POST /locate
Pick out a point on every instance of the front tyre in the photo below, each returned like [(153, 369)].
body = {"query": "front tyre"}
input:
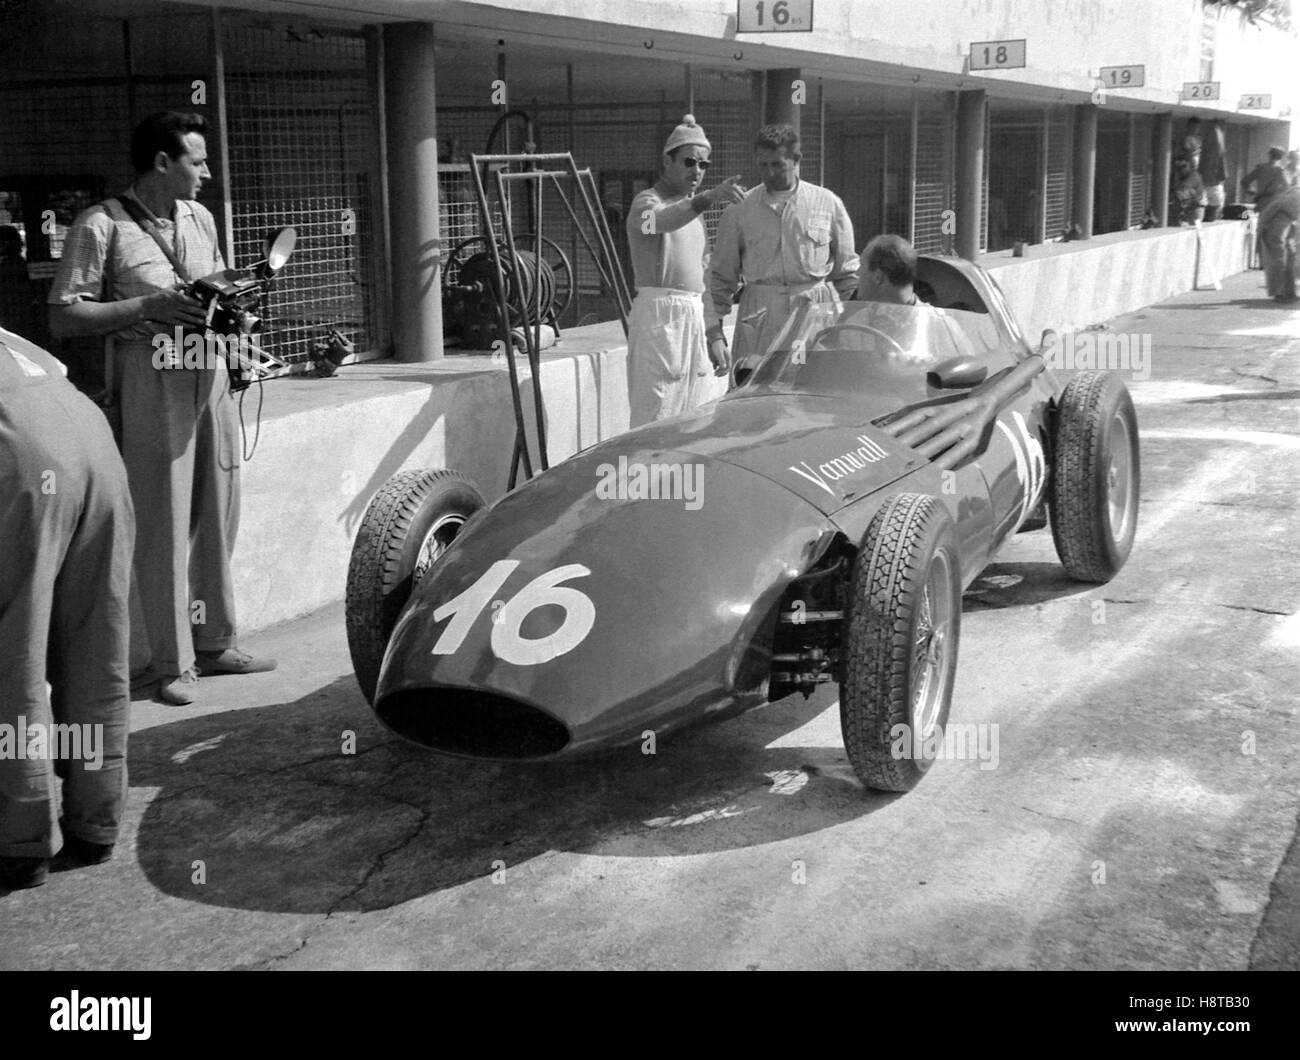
[(1095, 477), (408, 524), (900, 642)]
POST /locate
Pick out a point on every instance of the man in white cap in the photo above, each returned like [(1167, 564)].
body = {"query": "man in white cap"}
[(789, 241), (669, 369)]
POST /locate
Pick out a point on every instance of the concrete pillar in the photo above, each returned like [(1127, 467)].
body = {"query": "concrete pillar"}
[(972, 113), (778, 102), (1085, 166), (413, 190), (1161, 177)]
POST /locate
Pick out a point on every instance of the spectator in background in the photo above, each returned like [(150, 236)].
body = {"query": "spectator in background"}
[(1213, 170), (19, 300), (1190, 147), (788, 241), (1266, 179), (1260, 185), (1277, 239), (68, 528), (1189, 193)]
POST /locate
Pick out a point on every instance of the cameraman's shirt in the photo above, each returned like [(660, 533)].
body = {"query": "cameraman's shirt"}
[(139, 266)]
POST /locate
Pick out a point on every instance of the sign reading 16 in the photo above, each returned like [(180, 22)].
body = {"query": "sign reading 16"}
[(508, 641)]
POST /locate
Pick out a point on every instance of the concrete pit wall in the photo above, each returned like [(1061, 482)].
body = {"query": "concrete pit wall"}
[(327, 445)]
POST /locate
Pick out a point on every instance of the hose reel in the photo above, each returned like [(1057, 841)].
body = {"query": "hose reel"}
[(470, 296)]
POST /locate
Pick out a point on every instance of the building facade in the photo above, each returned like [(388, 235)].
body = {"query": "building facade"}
[(354, 122)]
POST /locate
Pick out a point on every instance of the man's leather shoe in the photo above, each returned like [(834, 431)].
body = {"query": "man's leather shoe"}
[(18, 874), (180, 690), (232, 661), (78, 853)]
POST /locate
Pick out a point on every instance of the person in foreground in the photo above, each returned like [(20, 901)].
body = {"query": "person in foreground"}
[(68, 529)]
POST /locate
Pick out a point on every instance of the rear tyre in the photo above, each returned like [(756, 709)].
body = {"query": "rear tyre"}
[(408, 524), (1095, 477), (900, 642)]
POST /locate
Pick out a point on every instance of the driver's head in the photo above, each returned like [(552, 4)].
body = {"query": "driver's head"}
[(888, 271)]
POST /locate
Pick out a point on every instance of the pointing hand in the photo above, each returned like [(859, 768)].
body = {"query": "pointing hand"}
[(729, 191)]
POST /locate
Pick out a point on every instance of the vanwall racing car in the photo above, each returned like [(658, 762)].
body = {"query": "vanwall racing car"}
[(819, 523)]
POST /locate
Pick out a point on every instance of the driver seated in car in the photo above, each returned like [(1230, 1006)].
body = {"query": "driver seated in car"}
[(888, 272), (888, 326)]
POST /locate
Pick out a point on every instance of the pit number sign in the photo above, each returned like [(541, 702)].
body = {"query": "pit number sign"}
[(1200, 90), (1123, 76), (997, 54), (774, 16), (1256, 102)]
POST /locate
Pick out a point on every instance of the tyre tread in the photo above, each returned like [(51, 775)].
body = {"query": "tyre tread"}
[(374, 569)]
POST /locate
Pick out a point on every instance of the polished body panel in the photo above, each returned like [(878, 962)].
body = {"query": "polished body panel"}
[(673, 599)]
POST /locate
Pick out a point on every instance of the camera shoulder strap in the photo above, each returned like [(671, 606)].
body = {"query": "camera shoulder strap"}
[(141, 217)]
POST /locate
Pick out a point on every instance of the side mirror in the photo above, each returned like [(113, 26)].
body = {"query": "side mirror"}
[(960, 373), (279, 245)]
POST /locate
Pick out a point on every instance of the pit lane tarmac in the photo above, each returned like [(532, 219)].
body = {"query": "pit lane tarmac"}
[(1139, 816)]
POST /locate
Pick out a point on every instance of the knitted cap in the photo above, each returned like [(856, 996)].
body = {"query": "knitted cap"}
[(687, 133)]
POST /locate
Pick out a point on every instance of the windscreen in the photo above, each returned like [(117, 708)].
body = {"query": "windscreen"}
[(855, 347)]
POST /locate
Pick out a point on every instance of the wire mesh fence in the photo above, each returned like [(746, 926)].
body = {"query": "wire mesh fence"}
[(303, 151)]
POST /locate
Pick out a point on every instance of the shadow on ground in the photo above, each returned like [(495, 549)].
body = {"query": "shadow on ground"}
[(1003, 585), (285, 818)]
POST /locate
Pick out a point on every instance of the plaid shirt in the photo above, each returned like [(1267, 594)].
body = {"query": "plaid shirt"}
[(138, 267)]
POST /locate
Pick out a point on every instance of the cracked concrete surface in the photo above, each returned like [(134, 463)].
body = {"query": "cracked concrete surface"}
[(1141, 813)]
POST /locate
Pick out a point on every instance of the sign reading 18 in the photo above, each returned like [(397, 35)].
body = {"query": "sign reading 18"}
[(997, 54)]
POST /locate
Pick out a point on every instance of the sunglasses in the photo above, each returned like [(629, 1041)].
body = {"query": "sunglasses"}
[(697, 163)]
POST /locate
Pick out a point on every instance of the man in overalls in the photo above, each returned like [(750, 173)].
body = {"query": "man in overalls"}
[(788, 241)]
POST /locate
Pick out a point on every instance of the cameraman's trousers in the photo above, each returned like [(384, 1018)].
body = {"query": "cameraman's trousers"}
[(180, 443), (65, 572)]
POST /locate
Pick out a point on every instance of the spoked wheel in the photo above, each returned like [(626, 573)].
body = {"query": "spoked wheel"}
[(900, 642), (407, 527), (1096, 476)]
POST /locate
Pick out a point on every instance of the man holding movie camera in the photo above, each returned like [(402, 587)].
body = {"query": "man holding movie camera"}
[(124, 265)]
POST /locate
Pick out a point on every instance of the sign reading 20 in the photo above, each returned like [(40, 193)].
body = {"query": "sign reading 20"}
[(508, 642)]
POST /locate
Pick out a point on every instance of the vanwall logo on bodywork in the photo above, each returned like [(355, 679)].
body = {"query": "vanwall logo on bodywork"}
[(841, 466)]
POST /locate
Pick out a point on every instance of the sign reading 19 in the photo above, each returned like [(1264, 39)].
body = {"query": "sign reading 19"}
[(1123, 76), (783, 16)]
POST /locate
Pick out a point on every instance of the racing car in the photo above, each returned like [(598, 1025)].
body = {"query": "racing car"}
[(817, 524)]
